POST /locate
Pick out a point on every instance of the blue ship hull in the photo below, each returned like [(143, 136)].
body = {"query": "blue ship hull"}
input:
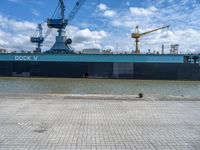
[(151, 67)]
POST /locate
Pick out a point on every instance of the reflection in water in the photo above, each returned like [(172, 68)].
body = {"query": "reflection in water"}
[(99, 86)]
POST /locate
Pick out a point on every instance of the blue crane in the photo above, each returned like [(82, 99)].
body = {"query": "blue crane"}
[(62, 44), (38, 38)]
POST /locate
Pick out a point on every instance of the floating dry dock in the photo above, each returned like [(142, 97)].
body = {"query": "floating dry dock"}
[(123, 66)]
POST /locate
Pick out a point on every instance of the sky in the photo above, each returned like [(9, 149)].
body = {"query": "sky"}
[(105, 24)]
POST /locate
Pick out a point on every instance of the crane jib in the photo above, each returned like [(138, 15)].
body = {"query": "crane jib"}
[(75, 10)]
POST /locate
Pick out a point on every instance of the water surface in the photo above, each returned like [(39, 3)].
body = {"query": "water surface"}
[(99, 86)]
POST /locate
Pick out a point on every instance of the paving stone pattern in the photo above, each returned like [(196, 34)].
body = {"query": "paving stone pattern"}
[(28, 123)]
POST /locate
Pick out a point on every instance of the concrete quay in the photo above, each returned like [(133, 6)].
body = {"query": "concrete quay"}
[(96, 122)]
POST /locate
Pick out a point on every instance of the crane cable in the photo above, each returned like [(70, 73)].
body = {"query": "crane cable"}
[(56, 11), (35, 33), (47, 33)]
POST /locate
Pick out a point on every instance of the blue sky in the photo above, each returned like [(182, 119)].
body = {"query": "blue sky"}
[(105, 24)]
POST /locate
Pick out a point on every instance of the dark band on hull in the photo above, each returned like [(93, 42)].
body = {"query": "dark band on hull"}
[(150, 71)]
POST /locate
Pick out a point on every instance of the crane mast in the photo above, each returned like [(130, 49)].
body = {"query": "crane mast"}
[(62, 7)]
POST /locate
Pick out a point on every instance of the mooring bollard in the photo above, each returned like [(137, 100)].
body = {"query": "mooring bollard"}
[(140, 95)]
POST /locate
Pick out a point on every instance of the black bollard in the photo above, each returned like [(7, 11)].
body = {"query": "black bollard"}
[(140, 95)]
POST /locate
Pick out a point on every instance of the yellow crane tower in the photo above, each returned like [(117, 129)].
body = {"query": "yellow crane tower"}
[(137, 35)]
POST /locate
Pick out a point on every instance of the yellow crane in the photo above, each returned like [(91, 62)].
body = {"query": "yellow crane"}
[(137, 35)]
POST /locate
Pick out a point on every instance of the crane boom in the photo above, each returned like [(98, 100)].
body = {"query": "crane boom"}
[(154, 30), (75, 10)]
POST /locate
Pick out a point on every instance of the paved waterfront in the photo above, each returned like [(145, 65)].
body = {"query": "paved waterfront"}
[(64, 122)]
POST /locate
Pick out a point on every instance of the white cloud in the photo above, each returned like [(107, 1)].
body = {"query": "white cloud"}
[(106, 11), (102, 7), (109, 47), (35, 12), (87, 39), (14, 1), (15, 25), (135, 11), (109, 13), (184, 30), (15, 35), (87, 35)]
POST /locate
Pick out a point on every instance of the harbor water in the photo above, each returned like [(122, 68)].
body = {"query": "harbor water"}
[(99, 86)]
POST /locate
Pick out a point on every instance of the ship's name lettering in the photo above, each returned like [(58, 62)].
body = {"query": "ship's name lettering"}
[(26, 58)]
